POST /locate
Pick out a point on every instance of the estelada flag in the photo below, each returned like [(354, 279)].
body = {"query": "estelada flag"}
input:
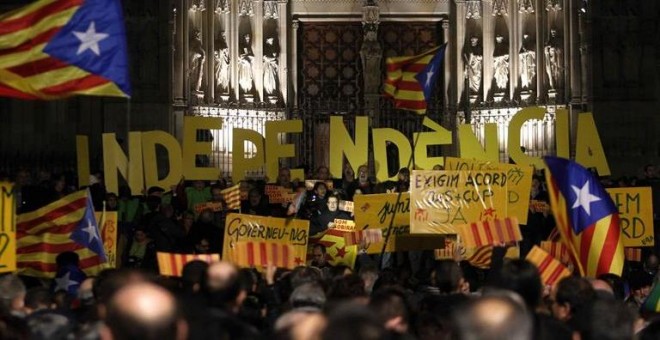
[(67, 224), (52, 49), (337, 251), (551, 270), (171, 264), (410, 80), (479, 234), (586, 217)]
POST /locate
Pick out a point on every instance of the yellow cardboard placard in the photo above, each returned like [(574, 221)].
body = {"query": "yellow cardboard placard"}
[(439, 200), (243, 228), (347, 206), (7, 228), (109, 229), (344, 225), (519, 179), (635, 207), (213, 206)]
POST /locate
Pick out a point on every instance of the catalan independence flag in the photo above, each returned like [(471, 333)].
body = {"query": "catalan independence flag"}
[(586, 218), (68, 224), (337, 251), (410, 80), (53, 49)]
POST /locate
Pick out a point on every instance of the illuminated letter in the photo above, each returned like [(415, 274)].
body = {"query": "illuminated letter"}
[(472, 149), (515, 125), (240, 163), (341, 144), (438, 136), (82, 156), (192, 148), (149, 141), (275, 150), (381, 137), (588, 149), (114, 159)]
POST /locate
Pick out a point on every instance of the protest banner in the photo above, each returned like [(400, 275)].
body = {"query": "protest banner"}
[(252, 228), (213, 206), (558, 250), (278, 194), (441, 200), (635, 207), (346, 206), (519, 180), (310, 183), (262, 254), (344, 225), (7, 228)]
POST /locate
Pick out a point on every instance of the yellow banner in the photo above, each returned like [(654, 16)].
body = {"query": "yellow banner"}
[(519, 180), (635, 207), (7, 228), (109, 229), (344, 225), (243, 228), (440, 200)]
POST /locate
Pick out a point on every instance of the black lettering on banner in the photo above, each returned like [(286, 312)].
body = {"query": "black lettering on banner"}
[(238, 229), (388, 209), (4, 243)]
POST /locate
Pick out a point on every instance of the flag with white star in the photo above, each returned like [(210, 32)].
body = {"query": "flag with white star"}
[(66, 225), (410, 80), (586, 217), (55, 49)]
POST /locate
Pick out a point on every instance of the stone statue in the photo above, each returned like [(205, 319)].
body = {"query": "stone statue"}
[(221, 56), (501, 63), (473, 57), (245, 58), (554, 60), (197, 59), (271, 52), (527, 57)]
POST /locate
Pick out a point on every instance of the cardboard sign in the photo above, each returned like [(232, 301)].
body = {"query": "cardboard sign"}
[(213, 206), (344, 225), (7, 228), (310, 183), (108, 228), (635, 207), (441, 200), (346, 206), (251, 228), (262, 254), (376, 212), (277, 194), (539, 206), (519, 180)]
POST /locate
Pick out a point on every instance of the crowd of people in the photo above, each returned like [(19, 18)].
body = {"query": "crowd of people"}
[(399, 295)]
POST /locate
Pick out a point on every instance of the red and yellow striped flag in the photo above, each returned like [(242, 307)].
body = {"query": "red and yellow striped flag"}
[(481, 258), (633, 254), (52, 49), (67, 224), (338, 252), (479, 234), (171, 264), (558, 250), (551, 270), (410, 80), (261, 254), (232, 197), (370, 236)]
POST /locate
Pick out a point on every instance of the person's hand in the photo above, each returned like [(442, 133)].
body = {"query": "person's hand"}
[(270, 274), (331, 225), (458, 253)]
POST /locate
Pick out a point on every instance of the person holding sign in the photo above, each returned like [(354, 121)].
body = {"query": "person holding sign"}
[(326, 219), (538, 225)]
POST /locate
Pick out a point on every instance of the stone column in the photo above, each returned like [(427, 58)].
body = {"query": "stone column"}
[(282, 8), (371, 54), (293, 80)]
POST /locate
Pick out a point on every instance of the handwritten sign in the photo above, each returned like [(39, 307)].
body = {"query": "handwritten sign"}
[(635, 207), (7, 228), (108, 226), (246, 228), (519, 182), (213, 206), (377, 211), (346, 206), (441, 200), (278, 194), (539, 206), (344, 225)]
